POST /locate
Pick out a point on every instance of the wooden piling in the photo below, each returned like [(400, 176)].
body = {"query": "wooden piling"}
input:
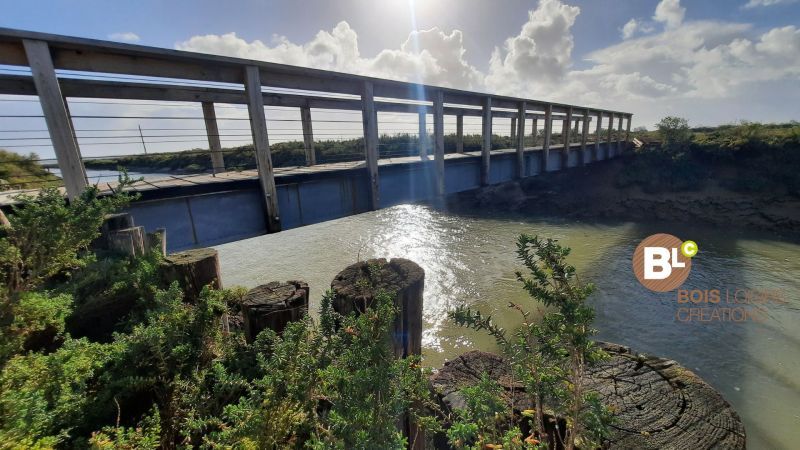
[(258, 127), (618, 151), (486, 148), (55, 115), (628, 133), (597, 132), (273, 305), (212, 132), (129, 241), (513, 132), (610, 134), (534, 131), (193, 270)]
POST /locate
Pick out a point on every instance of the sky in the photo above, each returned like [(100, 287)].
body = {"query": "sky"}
[(711, 61)]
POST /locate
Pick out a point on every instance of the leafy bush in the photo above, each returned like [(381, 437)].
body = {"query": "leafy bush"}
[(550, 357)]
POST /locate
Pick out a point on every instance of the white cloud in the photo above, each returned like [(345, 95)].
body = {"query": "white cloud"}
[(126, 36), (629, 28), (540, 53), (698, 69), (429, 56), (670, 12), (759, 3)]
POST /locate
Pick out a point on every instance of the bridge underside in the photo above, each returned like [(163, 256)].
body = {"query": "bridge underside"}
[(206, 210)]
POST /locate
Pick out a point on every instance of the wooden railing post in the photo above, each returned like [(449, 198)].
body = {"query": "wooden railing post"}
[(610, 136), (438, 140), (597, 131), (548, 131), (513, 132), (55, 114), (584, 136), (460, 133), (369, 117), (534, 130), (628, 132), (212, 132), (423, 135), (308, 136), (566, 130), (618, 151), (486, 148), (521, 139), (258, 126)]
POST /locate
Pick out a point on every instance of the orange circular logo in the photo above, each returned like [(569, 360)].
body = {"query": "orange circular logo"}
[(660, 264)]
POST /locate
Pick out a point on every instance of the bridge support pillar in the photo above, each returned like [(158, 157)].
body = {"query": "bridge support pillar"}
[(521, 139), (598, 130), (212, 132), (423, 134), (566, 131), (258, 127), (584, 136), (308, 136), (460, 133), (618, 151), (486, 148), (534, 130), (438, 141), (55, 113), (548, 131), (610, 136), (369, 117), (628, 133)]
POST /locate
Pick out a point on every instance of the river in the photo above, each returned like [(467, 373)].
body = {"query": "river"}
[(469, 259)]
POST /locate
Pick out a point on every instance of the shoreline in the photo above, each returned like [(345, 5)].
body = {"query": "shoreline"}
[(581, 193)]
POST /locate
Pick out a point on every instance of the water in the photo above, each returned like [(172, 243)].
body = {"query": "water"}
[(109, 175), (470, 260)]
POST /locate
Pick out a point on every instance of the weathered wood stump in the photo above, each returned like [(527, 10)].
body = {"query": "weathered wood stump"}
[(130, 241), (193, 270), (111, 223), (273, 305), (357, 285), (658, 403), (158, 240)]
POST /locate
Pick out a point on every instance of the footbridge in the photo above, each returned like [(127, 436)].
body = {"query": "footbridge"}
[(233, 203)]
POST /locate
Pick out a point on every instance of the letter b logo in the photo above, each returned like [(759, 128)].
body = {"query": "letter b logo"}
[(659, 265)]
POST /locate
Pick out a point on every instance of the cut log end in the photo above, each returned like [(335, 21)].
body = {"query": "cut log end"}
[(657, 402), (193, 270), (273, 306)]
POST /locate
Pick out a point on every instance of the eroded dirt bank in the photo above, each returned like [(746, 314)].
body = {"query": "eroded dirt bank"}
[(590, 193)]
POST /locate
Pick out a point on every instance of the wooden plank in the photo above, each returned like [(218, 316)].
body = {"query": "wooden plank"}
[(58, 122), (369, 117), (460, 133), (584, 136), (521, 140), (548, 131), (214, 144), (438, 141), (308, 136), (566, 132), (258, 126), (597, 132), (486, 148), (423, 134)]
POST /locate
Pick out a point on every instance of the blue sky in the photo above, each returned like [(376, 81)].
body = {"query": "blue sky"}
[(709, 61)]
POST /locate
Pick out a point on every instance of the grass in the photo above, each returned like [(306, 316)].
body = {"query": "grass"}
[(24, 172)]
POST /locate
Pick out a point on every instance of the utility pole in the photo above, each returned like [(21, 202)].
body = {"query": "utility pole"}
[(142, 137)]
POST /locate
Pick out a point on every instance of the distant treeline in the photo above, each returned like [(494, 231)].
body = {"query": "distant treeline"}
[(291, 153)]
